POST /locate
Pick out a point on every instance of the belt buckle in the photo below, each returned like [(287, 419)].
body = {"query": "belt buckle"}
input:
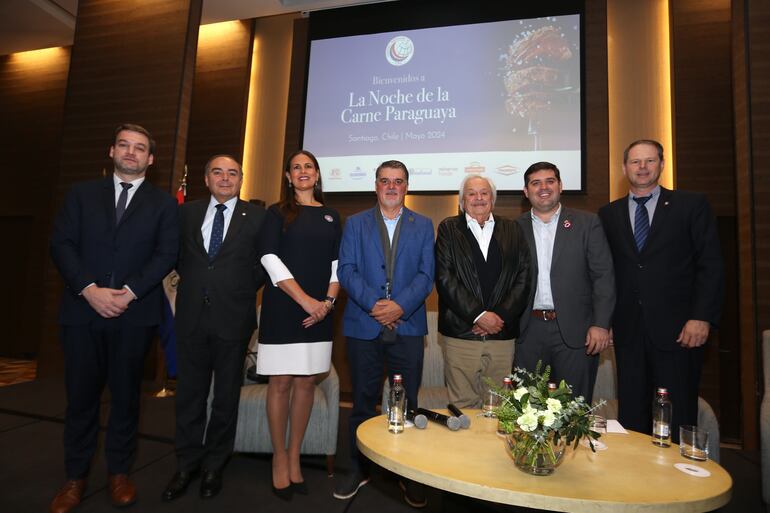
[(545, 315)]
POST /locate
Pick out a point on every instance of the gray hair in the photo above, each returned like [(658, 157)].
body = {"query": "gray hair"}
[(465, 181)]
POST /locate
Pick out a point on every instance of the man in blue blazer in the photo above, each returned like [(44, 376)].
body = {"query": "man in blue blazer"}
[(113, 242), (386, 266)]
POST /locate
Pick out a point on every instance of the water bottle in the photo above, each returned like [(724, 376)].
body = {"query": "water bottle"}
[(396, 406), (507, 387), (661, 418)]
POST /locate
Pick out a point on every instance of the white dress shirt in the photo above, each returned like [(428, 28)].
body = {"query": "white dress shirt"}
[(208, 219), (650, 206), (131, 191), (482, 235), (545, 234)]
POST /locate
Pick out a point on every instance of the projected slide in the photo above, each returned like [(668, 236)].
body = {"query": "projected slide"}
[(489, 98)]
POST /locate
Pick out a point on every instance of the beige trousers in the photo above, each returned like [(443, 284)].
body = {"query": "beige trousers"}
[(468, 362)]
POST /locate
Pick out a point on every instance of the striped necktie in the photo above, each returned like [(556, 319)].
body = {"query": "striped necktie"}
[(641, 222)]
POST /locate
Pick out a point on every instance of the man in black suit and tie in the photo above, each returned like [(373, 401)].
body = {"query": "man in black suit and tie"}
[(669, 278), (113, 242), (216, 314), (566, 323)]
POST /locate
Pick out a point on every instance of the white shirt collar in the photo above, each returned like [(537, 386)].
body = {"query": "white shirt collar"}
[(472, 220), (230, 204)]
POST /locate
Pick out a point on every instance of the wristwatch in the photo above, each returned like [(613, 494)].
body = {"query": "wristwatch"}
[(331, 300)]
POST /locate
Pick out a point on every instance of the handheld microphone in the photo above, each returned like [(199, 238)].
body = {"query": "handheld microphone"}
[(465, 421), (453, 423), (420, 421)]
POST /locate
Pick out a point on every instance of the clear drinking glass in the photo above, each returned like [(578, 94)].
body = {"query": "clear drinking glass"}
[(694, 443), (490, 402)]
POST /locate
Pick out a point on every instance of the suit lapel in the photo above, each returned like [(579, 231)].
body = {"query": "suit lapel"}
[(625, 223), (559, 239), (237, 220), (372, 231), (659, 218), (108, 200), (407, 232), (529, 234), (136, 202), (197, 223)]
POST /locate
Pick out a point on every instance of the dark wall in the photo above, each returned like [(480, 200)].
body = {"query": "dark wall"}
[(32, 87)]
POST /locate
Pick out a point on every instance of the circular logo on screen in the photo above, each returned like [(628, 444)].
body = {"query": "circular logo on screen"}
[(399, 50)]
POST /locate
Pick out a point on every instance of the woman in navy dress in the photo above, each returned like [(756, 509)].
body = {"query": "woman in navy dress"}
[(300, 243)]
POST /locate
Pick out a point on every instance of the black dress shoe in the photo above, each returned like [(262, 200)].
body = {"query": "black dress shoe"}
[(284, 494), (211, 484), (178, 485), (300, 488)]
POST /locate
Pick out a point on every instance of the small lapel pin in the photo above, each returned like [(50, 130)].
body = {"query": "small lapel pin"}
[(567, 223), (329, 219), (243, 213), (665, 202)]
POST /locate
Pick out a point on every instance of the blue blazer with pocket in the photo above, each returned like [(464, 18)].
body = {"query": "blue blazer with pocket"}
[(361, 271)]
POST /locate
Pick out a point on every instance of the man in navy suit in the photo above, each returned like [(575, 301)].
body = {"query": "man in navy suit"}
[(669, 281), (113, 242), (386, 266), (216, 314)]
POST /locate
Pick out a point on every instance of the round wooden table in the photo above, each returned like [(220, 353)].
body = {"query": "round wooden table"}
[(631, 475)]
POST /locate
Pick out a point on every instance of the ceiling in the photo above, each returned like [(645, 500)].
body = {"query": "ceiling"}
[(34, 24)]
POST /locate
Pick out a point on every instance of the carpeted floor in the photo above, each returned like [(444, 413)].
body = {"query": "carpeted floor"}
[(31, 468)]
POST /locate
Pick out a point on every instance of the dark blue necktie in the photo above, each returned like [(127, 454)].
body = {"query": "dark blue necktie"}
[(217, 231), (120, 208), (641, 222)]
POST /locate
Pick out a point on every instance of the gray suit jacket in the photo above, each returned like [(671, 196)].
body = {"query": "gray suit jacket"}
[(582, 275)]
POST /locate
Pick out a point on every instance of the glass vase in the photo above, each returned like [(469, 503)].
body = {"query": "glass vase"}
[(535, 454)]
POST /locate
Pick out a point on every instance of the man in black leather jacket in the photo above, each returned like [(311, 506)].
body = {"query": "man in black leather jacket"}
[(483, 282)]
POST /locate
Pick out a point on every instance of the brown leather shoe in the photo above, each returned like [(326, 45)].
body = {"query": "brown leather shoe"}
[(68, 496), (122, 491)]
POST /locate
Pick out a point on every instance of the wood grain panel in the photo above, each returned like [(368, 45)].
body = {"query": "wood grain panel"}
[(220, 95), (703, 135), (32, 87), (132, 61)]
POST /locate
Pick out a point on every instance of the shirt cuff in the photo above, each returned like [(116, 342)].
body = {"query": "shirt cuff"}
[(131, 291), (275, 269), (92, 284), (479, 317), (333, 278)]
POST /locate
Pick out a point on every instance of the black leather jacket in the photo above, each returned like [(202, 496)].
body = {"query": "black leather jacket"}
[(457, 281)]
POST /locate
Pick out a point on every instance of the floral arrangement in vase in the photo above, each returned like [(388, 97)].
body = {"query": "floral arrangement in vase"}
[(542, 419)]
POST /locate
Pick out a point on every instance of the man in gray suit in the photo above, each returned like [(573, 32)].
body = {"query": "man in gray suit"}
[(567, 320)]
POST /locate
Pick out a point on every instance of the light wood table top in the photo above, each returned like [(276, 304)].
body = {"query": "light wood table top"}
[(631, 475)]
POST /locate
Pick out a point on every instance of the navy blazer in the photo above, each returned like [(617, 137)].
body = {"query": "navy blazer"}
[(229, 283), (88, 247), (676, 277), (361, 271)]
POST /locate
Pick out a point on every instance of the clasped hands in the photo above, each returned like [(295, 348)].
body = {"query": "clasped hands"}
[(488, 324), (387, 312), (316, 310), (107, 302)]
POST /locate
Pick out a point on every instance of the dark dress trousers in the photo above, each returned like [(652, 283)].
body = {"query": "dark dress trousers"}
[(583, 290), (676, 277), (88, 247), (215, 317)]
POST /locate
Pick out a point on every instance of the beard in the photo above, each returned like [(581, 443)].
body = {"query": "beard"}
[(130, 169)]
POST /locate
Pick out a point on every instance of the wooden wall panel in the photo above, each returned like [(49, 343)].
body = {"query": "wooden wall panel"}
[(32, 86), (132, 61), (705, 161), (220, 95)]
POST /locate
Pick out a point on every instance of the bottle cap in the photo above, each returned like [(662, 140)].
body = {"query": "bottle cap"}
[(662, 391), (396, 378), (551, 386)]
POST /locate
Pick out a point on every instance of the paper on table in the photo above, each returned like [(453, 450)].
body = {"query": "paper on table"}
[(613, 426)]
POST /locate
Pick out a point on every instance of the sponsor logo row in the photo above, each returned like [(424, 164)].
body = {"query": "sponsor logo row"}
[(472, 167)]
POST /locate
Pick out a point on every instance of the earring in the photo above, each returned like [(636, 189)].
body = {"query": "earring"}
[(288, 182), (316, 185)]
